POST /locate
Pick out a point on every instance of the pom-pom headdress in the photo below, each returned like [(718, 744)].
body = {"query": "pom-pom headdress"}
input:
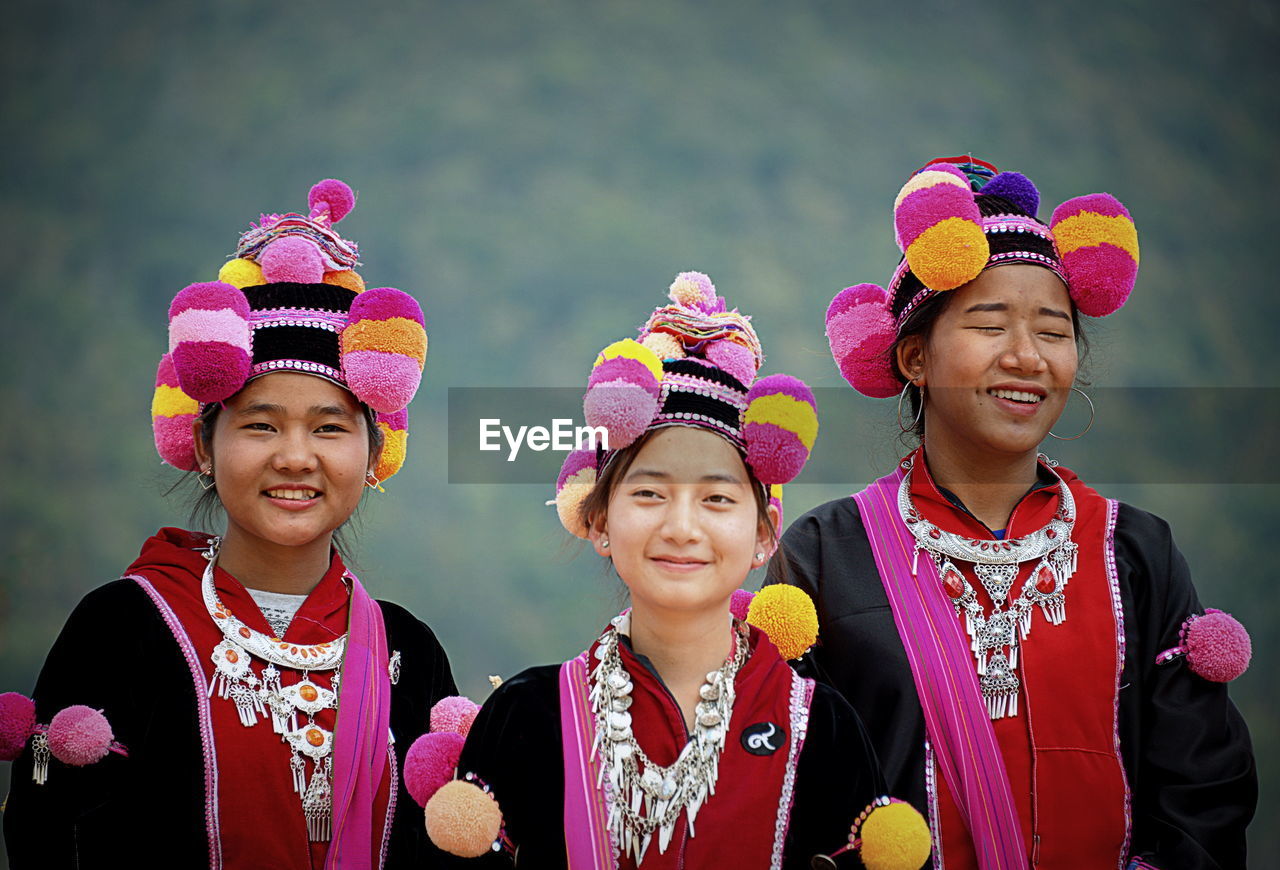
[(290, 300), (954, 218), (694, 364)]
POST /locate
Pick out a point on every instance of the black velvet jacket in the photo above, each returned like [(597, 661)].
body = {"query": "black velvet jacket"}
[(148, 810), (515, 747), (1185, 747)]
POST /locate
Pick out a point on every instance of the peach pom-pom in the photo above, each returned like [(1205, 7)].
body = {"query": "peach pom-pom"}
[(740, 603), (79, 735), (345, 278), (693, 290), (894, 837), (292, 258), (454, 713), (463, 819), (430, 763), (787, 615), (664, 345), (17, 722), (241, 273), (1218, 646)]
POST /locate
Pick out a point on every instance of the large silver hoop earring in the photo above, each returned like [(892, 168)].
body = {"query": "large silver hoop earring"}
[(1092, 415), (919, 411)]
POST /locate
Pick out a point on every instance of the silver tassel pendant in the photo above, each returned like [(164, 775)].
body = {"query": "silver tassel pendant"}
[(40, 751), (317, 805), (299, 768)]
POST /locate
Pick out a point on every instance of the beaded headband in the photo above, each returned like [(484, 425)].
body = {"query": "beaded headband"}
[(290, 300), (948, 236), (695, 364)]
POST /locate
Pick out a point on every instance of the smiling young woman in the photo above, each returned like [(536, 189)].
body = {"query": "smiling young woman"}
[(680, 713), (1031, 720), (234, 698)]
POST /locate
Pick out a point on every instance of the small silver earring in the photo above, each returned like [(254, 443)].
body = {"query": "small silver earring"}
[(208, 473), (369, 476), (604, 543), (759, 557)]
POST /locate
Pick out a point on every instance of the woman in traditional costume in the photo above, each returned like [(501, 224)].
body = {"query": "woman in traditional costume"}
[(240, 700), (1031, 660), (680, 737)]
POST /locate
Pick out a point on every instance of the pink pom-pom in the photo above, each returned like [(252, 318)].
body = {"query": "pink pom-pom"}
[(740, 603), (292, 258), (1098, 243), (623, 408), (1218, 646), (733, 358), (79, 735), (695, 290), (780, 427), (17, 723), (384, 303), (430, 763), (454, 713), (209, 340), (861, 330), (621, 369), (332, 196)]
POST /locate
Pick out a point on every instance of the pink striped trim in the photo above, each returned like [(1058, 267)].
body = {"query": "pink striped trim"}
[(197, 324), (1117, 609), (588, 841), (947, 685), (211, 824), (801, 702)]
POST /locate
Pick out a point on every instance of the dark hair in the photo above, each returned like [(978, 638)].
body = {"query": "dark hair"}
[(206, 506), (596, 504), (920, 321)]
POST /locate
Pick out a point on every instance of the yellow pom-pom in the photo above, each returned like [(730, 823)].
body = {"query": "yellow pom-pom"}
[(241, 273), (570, 498), (950, 253), (395, 444), (463, 819), (664, 345), (894, 837), (346, 278), (787, 615)]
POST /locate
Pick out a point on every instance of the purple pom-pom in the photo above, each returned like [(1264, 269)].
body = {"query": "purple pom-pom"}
[(740, 603), (454, 713), (431, 762), (79, 735), (623, 408), (1017, 188), (292, 258), (17, 723), (861, 330), (1218, 646), (332, 196), (733, 358)]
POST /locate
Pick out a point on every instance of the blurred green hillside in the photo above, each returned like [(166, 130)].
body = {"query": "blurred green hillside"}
[(535, 173)]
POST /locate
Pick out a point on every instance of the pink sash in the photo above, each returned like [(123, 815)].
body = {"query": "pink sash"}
[(361, 734), (957, 722), (586, 830)]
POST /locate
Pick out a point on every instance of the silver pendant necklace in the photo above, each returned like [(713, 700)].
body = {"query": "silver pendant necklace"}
[(645, 797), (262, 696), (994, 637)]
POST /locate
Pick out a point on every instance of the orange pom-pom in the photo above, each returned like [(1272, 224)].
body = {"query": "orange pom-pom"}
[(463, 819), (787, 615), (345, 278)]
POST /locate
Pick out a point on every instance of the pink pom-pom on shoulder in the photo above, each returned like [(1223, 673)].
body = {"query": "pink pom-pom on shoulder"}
[(332, 197), (430, 762), (740, 603), (209, 340), (861, 331), (1098, 244), (17, 724), (79, 735), (780, 427), (454, 713), (1217, 646), (292, 258)]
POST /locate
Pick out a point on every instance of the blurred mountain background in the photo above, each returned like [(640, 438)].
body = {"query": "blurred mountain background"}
[(536, 173)]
